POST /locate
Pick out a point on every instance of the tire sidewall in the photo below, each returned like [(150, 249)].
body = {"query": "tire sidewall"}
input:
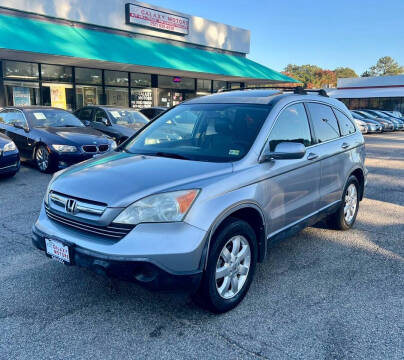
[(232, 228)]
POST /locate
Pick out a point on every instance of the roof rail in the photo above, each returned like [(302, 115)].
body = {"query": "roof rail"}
[(296, 89)]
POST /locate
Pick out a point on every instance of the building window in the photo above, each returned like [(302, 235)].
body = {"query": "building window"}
[(20, 70), (141, 98), (56, 73), (235, 85), (116, 78), (117, 96), (203, 86), (88, 76), (176, 82), (219, 85), (140, 80), (19, 93), (88, 95), (58, 95)]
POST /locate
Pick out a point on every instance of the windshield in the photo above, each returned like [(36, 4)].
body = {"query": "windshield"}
[(203, 132), (127, 117), (52, 118), (357, 116)]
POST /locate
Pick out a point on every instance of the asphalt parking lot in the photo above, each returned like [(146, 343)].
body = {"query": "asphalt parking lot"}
[(322, 294)]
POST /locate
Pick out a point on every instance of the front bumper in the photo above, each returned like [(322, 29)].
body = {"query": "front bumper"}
[(64, 160), (9, 162), (160, 256)]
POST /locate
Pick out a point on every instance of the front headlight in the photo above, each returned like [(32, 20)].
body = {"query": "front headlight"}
[(64, 148), (9, 147), (113, 145), (164, 207)]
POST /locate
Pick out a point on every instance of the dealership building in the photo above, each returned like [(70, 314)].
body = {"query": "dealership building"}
[(69, 53), (380, 92)]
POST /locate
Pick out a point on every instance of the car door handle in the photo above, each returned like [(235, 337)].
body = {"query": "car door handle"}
[(312, 156), (345, 145)]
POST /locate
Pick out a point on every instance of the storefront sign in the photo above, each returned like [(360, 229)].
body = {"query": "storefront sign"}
[(141, 98), (58, 96), (139, 15), (21, 96)]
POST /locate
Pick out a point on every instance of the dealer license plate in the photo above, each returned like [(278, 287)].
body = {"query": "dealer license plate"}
[(57, 250)]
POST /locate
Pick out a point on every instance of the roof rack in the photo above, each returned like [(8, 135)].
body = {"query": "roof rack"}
[(296, 89)]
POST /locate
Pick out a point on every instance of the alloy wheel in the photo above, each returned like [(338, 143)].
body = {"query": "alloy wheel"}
[(233, 266), (351, 202), (42, 158)]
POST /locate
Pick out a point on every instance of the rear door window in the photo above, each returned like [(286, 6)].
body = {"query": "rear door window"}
[(324, 122), (292, 125), (345, 124)]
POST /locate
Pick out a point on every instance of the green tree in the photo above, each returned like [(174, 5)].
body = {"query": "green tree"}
[(345, 72), (303, 73), (386, 66)]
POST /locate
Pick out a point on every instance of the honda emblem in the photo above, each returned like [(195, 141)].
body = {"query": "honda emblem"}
[(70, 206)]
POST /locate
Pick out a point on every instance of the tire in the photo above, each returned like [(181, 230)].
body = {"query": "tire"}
[(344, 218), (223, 293), (43, 159)]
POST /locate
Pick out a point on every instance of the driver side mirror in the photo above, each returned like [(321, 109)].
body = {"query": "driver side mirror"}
[(286, 150), (18, 124), (104, 121)]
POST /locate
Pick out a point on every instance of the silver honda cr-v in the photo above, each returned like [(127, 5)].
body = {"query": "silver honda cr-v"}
[(198, 196)]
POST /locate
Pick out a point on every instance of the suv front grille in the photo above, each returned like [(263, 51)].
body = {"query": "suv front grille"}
[(93, 149), (113, 231)]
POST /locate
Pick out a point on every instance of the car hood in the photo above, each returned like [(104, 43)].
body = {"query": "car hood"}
[(119, 178), (126, 130), (73, 135)]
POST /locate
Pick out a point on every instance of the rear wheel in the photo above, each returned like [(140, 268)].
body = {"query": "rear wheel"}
[(345, 216), (42, 159), (231, 266)]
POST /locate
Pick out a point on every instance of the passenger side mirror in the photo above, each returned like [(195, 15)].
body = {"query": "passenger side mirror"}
[(86, 122), (18, 124), (285, 151)]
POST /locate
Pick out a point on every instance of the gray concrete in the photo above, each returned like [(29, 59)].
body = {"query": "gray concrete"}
[(322, 294)]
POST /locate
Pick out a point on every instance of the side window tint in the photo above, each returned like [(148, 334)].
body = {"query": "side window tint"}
[(345, 124), (292, 125), (3, 117), (324, 122), (85, 114), (16, 116), (99, 115)]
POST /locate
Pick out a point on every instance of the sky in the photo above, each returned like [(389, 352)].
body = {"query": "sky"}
[(327, 33)]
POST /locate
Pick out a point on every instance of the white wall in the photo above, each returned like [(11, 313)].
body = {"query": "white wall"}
[(371, 81), (111, 13)]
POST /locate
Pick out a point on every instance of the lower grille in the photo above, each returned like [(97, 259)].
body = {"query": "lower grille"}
[(114, 231)]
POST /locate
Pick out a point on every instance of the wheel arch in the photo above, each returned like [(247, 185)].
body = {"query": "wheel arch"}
[(249, 212), (360, 176)]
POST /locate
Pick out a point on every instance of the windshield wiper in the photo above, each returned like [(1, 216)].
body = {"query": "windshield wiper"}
[(169, 155)]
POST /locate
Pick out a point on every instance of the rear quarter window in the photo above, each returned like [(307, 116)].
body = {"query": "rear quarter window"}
[(345, 123), (324, 122)]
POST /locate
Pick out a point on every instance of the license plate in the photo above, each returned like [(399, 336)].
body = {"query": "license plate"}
[(57, 250)]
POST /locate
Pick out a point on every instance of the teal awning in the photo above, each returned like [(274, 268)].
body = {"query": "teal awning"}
[(44, 37)]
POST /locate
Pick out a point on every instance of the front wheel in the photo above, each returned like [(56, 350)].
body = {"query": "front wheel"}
[(230, 268), (345, 216), (43, 159)]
